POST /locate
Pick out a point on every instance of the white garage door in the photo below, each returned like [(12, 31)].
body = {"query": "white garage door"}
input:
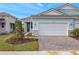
[(55, 29)]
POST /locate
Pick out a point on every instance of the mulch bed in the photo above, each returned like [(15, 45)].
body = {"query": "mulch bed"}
[(20, 40), (77, 38)]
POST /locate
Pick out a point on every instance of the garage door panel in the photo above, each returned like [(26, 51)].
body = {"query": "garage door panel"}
[(53, 29)]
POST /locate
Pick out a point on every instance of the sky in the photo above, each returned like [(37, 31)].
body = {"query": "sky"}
[(22, 10)]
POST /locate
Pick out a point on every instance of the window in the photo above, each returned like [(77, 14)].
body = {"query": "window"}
[(28, 26), (2, 19), (11, 25), (3, 25)]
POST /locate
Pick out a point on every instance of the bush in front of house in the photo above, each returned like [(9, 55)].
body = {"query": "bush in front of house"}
[(75, 33), (19, 29), (13, 40), (18, 37)]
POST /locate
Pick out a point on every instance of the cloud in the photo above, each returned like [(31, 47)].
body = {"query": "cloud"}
[(32, 6), (25, 9), (39, 4), (21, 9)]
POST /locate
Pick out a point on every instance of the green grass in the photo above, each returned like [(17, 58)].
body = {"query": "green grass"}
[(30, 46)]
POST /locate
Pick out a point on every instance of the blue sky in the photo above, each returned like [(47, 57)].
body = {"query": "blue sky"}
[(22, 10)]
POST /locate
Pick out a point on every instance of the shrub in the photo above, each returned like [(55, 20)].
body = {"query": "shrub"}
[(75, 33), (19, 29)]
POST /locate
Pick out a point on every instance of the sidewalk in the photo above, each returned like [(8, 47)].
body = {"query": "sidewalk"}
[(39, 53)]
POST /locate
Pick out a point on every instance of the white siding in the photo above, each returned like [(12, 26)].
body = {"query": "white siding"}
[(36, 23), (67, 7), (8, 20), (2, 30), (24, 26), (76, 23)]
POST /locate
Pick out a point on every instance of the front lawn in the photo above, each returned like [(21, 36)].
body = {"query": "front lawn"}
[(30, 46)]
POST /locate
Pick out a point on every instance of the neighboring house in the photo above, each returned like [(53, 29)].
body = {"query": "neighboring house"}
[(54, 22), (6, 23)]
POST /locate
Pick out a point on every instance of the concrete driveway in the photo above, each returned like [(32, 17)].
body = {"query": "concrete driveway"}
[(61, 43)]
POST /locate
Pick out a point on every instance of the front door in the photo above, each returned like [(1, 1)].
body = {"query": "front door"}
[(28, 26)]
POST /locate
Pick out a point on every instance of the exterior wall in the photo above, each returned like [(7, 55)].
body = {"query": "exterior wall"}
[(72, 22), (2, 30), (37, 21), (7, 22), (25, 24), (24, 27), (67, 7), (77, 23), (70, 12)]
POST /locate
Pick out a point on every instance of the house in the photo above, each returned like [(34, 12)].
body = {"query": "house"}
[(54, 22), (6, 23)]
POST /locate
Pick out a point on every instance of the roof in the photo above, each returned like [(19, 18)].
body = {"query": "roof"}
[(64, 10), (51, 12), (68, 9), (26, 18), (7, 14)]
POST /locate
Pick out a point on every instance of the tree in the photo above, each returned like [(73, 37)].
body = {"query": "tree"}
[(19, 29)]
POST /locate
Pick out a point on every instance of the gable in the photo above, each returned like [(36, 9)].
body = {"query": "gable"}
[(64, 10), (67, 6), (52, 12), (68, 9)]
